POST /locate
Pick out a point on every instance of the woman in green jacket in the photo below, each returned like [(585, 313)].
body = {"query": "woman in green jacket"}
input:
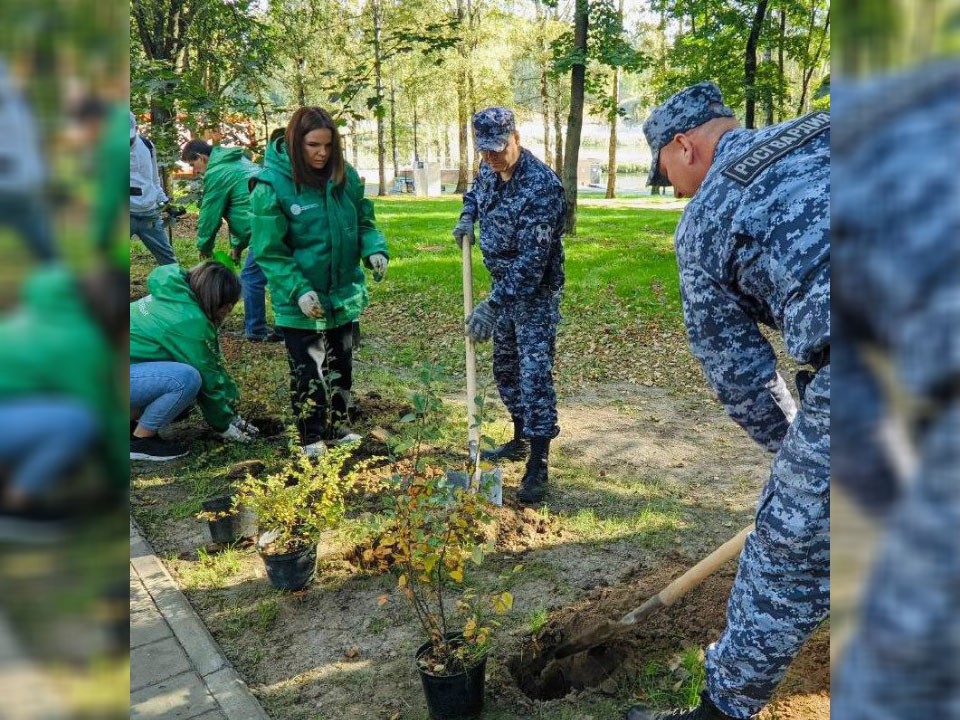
[(311, 229), (175, 357)]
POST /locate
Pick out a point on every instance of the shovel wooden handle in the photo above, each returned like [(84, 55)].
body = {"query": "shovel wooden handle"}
[(473, 433), (691, 578)]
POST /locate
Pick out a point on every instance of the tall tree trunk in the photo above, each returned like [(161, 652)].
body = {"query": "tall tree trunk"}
[(355, 145), (545, 113), (301, 82), (446, 146), (393, 128), (578, 74), (462, 117), (544, 89), (472, 98), (614, 117), (768, 89), (557, 124), (471, 89), (750, 66), (378, 80), (781, 73), (557, 130), (416, 143), (811, 63)]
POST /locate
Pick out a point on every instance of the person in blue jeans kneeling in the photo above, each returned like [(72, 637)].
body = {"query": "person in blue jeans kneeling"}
[(175, 357)]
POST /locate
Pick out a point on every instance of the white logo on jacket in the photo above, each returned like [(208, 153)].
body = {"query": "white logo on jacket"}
[(296, 209)]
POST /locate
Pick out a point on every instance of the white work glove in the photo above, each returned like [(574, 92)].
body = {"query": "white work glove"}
[(246, 426), (378, 263), (464, 230), (310, 305), (236, 433)]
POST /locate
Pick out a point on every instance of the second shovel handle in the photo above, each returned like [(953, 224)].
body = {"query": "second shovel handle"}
[(705, 568), (473, 433)]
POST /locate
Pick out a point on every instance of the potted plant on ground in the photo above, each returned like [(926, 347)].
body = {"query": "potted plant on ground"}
[(226, 522), (294, 507), (437, 531)]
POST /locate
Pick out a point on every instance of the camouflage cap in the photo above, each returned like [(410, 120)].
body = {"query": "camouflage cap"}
[(492, 128), (682, 111)]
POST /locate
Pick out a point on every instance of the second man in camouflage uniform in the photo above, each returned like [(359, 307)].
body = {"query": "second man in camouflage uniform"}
[(520, 205), (753, 247)]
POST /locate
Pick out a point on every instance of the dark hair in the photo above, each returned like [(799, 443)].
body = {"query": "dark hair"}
[(194, 149), (215, 286), (277, 133), (106, 293), (305, 120)]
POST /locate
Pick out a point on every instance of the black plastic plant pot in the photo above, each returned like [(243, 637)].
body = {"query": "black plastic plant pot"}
[(291, 571), (453, 697), (232, 527)]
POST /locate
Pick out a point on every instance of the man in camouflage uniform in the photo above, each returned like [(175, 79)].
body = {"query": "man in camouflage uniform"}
[(897, 256), (753, 247), (520, 205)]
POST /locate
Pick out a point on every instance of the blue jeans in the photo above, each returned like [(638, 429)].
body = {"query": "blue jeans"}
[(161, 391), (42, 438), (254, 284), (149, 228), (30, 217)]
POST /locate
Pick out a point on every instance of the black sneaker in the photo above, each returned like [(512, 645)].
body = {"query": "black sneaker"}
[(271, 337), (155, 449)]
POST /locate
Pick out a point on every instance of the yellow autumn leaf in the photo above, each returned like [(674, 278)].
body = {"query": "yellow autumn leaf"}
[(457, 575), (470, 628), (402, 581), (502, 603)]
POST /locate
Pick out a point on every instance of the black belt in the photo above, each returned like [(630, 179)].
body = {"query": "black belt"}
[(136, 191)]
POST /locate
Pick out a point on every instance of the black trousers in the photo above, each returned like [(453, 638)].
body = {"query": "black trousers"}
[(321, 376)]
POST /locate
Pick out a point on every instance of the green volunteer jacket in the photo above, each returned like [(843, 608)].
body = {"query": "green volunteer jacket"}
[(112, 192), (314, 239), (51, 345), (226, 194), (168, 324)]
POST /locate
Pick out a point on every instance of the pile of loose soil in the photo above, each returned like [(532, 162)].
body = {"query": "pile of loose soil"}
[(694, 620)]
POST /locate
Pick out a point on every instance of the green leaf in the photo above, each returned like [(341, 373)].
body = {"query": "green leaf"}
[(224, 259)]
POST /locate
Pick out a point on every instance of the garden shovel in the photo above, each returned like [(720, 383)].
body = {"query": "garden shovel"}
[(490, 481), (597, 635)]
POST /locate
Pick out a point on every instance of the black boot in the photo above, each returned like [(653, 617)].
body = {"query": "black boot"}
[(533, 486), (515, 449), (706, 710)]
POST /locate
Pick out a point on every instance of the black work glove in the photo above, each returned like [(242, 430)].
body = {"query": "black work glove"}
[(481, 321), (464, 230)]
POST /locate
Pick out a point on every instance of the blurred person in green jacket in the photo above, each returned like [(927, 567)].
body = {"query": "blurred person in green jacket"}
[(101, 124), (226, 176), (312, 228), (62, 352), (175, 357)]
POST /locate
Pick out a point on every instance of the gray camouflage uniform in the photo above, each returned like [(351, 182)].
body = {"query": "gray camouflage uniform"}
[(753, 247), (898, 292), (521, 238)]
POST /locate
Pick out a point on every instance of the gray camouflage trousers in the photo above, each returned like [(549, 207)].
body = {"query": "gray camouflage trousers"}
[(524, 341), (782, 589), (904, 660)]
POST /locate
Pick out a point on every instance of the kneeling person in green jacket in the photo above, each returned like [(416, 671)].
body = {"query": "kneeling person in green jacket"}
[(311, 229), (175, 357)]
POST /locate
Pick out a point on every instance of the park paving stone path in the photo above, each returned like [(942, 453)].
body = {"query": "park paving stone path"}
[(177, 670)]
